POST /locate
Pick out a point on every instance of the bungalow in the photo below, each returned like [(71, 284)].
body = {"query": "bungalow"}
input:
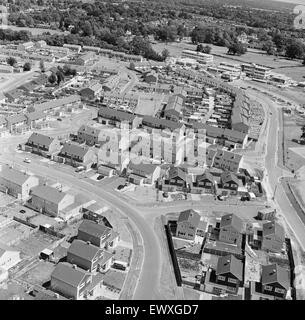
[(42, 144), (226, 278), (143, 173), (204, 183), (115, 118), (50, 200), (17, 183), (273, 237), (70, 281), (229, 180), (187, 224), (231, 228), (274, 284), (99, 235), (176, 180), (89, 257), (76, 155)]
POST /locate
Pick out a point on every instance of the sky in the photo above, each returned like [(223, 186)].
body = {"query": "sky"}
[(293, 1)]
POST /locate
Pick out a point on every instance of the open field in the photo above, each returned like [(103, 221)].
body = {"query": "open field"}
[(34, 31)]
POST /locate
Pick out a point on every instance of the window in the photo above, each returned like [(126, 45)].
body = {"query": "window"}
[(268, 288), (221, 278), (231, 280), (279, 290)]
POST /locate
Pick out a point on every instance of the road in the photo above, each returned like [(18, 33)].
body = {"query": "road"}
[(273, 172), (147, 287)]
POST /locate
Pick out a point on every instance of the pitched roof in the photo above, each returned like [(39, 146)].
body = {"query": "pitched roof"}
[(116, 114), (176, 172), (16, 118), (57, 103), (14, 175), (94, 229), (40, 139), (89, 130), (230, 264), (35, 115), (74, 149), (66, 273), (273, 228), (191, 216), (273, 273), (146, 168), (229, 176), (205, 176), (48, 193), (83, 250), (232, 220), (161, 123)]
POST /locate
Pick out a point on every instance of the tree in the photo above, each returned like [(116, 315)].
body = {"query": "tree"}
[(295, 50), (52, 78), (269, 47), (60, 76), (237, 48), (42, 66), (165, 54), (27, 66), (205, 49), (11, 61)]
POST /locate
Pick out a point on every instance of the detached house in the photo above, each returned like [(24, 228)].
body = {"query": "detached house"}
[(204, 183), (187, 224), (17, 183), (273, 237), (231, 228), (226, 278), (176, 180), (42, 144), (143, 173), (99, 235), (274, 284), (70, 281), (89, 257), (229, 181)]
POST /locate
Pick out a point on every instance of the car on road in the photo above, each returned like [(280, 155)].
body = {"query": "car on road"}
[(27, 160), (22, 211), (121, 186), (80, 169), (100, 177), (222, 197), (59, 119)]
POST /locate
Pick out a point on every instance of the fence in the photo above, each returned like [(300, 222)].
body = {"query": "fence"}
[(292, 268), (173, 255)]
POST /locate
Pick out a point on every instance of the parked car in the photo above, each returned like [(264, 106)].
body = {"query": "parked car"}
[(100, 177), (59, 119), (165, 194), (80, 169), (22, 211), (120, 187), (27, 160)]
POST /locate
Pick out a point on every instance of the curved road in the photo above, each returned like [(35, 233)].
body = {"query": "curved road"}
[(147, 287)]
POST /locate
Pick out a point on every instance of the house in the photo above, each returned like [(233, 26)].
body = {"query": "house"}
[(58, 104), (267, 214), (70, 281), (41, 44), (231, 228), (9, 257), (73, 47), (273, 237), (6, 69), (226, 278), (176, 180), (17, 183), (187, 224), (229, 180), (150, 122), (112, 117), (89, 135), (42, 144), (85, 58), (99, 235), (35, 119), (50, 200), (25, 46), (274, 284), (143, 173), (76, 155), (204, 183), (227, 160), (92, 91), (17, 123), (89, 257), (106, 170), (13, 95)]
